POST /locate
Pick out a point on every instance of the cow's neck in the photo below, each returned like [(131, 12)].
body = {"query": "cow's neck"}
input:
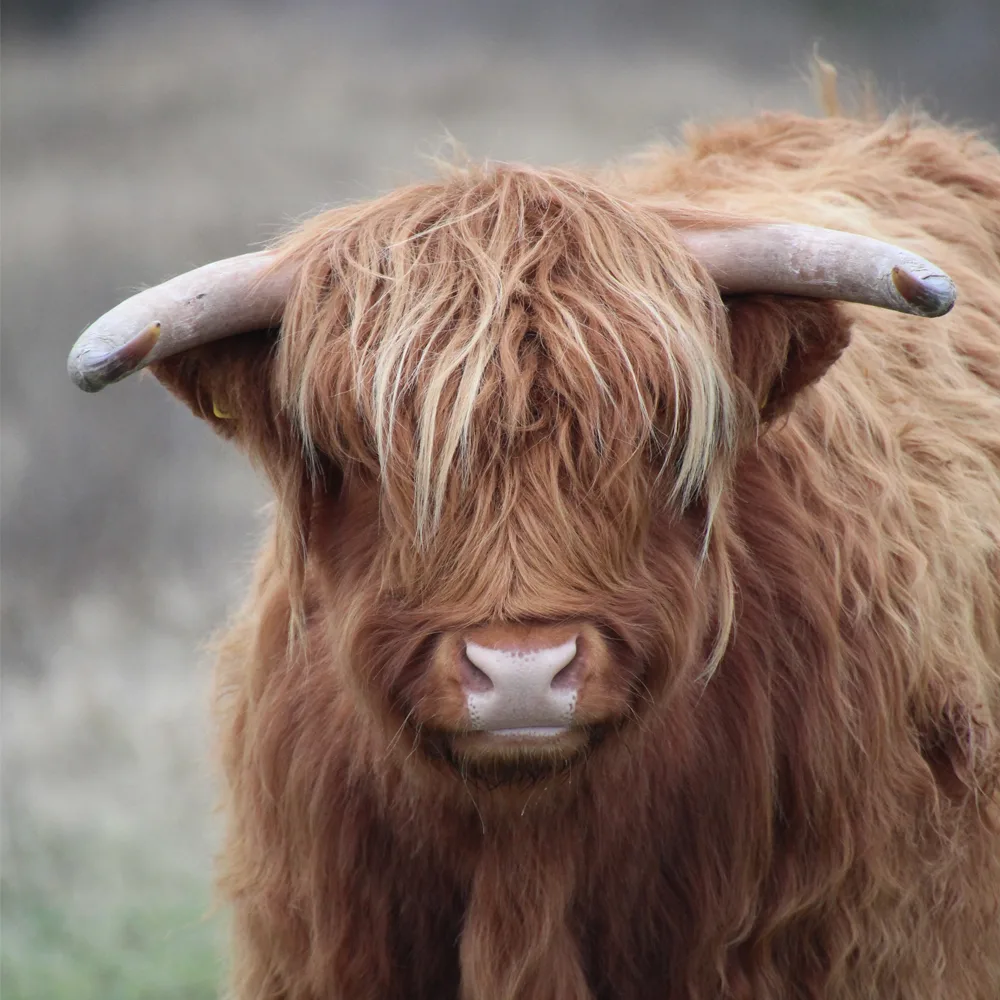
[(518, 940)]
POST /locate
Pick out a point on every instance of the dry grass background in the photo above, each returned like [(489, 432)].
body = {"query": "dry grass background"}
[(142, 145)]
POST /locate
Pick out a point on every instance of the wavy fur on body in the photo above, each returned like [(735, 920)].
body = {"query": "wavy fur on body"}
[(510, 394)]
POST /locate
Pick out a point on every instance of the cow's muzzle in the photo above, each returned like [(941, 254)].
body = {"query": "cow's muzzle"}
[(525, 686)]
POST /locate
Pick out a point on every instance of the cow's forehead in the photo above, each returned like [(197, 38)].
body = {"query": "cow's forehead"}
[(440, 326)]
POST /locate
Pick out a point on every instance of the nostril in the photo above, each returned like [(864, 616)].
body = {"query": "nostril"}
[(569, 676), (472, 678)]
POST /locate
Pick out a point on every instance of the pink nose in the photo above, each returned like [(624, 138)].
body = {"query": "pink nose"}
[(528, 688)]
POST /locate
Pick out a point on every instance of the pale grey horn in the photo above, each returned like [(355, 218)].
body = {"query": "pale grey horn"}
[(821, 264), (228, 297)]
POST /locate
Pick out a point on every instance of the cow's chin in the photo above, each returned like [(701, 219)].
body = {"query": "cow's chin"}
[(516, 756)]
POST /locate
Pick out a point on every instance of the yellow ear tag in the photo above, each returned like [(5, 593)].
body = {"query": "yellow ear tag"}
[(219, 412)]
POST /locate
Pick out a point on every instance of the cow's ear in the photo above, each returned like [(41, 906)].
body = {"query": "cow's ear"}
[(781, 345), (229, 384)]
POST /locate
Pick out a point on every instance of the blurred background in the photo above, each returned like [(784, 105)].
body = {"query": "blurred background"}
[(146, 138)]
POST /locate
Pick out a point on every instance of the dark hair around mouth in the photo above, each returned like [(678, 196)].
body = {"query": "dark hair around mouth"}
[(519, 767)]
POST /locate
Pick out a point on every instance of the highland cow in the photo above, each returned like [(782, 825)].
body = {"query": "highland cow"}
[(629, 625)]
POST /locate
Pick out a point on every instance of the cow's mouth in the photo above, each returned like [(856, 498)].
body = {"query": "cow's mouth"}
[(516, 756), (528, 732)]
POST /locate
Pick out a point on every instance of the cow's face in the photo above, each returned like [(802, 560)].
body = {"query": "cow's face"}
[(537, 618), (500, 417), (524, 412)]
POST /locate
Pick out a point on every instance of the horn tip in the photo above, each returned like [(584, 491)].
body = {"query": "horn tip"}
[(928, 295), (92, 370)]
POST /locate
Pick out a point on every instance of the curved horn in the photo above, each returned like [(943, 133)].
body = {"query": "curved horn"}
[(821, 264), (218, 300)]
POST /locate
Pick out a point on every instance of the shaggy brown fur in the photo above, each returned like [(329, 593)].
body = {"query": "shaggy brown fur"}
[(511, 395)]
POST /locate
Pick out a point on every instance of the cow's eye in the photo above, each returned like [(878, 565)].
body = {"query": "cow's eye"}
[(329, 477)]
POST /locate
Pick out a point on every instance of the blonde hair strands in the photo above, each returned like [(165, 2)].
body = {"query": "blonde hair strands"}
[(434, 287)]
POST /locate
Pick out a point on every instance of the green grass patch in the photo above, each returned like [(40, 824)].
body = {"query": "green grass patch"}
[(156, 947)]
